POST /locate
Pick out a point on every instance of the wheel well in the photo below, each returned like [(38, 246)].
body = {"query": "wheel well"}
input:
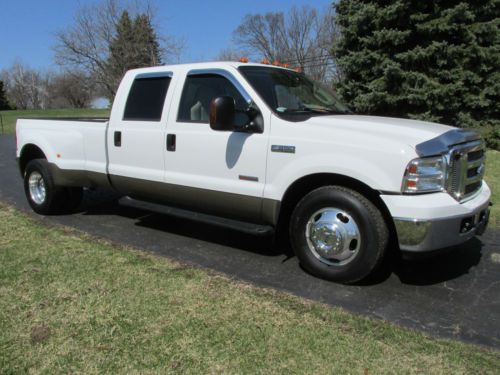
[(307, 184), (28, 153)]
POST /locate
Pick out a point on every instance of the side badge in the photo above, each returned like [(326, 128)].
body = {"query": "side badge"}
[(283, 148)]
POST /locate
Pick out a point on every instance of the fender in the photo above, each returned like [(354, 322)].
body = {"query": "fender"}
[(69, 155), (367, 172)]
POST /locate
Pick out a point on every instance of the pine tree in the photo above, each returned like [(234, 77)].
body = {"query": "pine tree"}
[(134, 46), (121, 50), (4, 103), (432, 60), (146, 40)]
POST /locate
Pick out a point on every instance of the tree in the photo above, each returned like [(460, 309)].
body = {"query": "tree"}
[(301, 38), (70, 90), (135, 45), (4, 103), (121, 50), (148, 51), (229, 54), (431, 60), (26, 88), (86, 46)]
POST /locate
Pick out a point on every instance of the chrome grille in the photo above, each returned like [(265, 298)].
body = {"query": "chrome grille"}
[(466, 170)]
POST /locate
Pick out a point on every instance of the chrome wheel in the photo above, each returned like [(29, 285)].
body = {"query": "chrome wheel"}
[(333, 236), (37, 187)]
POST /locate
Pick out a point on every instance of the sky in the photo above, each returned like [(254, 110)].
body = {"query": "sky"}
[(27, 27)]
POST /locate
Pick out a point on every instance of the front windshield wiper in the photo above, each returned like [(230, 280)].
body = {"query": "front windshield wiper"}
[(306, 109)]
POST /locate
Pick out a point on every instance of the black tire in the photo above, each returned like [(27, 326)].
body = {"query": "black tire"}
[(363, 257), (55, 198)]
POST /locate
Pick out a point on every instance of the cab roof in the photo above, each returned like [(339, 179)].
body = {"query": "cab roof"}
[(202, 65)]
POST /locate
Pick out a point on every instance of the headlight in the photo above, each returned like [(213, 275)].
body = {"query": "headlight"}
[(425, 175)]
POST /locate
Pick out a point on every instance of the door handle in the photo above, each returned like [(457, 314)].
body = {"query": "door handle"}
[(118, 139), (170, 142)]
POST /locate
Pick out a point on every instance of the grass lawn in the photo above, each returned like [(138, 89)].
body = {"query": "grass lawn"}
[(9, 117), (493, 180), (70, 303)]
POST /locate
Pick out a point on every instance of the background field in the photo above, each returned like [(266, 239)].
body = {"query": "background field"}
[(9, 117), (70, 303)]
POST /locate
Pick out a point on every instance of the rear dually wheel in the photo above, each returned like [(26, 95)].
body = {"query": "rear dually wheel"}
[(44, 196)]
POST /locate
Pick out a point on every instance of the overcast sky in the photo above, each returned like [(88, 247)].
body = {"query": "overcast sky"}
[(27, 27)]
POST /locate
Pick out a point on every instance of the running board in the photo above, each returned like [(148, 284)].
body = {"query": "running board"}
[(241, 226)]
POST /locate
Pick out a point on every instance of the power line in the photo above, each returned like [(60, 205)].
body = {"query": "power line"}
[(307, 59), (319, 65), (314, 57)]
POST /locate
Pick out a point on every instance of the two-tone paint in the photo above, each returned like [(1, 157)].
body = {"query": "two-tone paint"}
[(247, 175)]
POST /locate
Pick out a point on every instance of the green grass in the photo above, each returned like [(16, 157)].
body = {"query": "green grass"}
[(71, 303), (9, 117), (493, 180)]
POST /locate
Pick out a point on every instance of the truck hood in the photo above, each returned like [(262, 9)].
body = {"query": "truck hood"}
[(379, 129)]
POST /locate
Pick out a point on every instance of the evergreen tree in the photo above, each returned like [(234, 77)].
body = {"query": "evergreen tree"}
[(146, 40), (135, 45), (121, 50), (432, 60), (4, 103)]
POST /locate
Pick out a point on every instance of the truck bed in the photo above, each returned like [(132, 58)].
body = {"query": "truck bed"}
[(80, 119), (70, 143)]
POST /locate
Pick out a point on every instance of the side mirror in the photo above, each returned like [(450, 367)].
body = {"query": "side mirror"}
[(222, 111)]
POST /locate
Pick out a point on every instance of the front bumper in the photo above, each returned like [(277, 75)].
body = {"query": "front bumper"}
[(436, 221)]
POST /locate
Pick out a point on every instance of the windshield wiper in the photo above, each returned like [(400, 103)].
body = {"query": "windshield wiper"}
[(305, 109)]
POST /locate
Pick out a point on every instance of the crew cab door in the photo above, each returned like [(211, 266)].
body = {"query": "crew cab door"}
[(220, 172), (136, 135)]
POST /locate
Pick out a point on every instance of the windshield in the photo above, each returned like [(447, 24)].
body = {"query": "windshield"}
[(289, 92)]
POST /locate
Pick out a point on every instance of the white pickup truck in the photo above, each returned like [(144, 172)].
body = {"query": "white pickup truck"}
[(266, 145)]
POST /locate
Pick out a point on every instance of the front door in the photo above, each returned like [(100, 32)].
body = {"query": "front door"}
[(220, 172)]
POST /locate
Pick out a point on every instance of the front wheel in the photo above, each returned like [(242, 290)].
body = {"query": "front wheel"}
[(338, 234)]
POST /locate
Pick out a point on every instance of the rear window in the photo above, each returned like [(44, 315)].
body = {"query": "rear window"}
[(145, 99)]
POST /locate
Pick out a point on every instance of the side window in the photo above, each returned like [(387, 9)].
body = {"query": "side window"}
[(198, 92), (145, 99)]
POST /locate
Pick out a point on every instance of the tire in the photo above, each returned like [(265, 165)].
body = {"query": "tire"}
[(338, 234), (44, 196)]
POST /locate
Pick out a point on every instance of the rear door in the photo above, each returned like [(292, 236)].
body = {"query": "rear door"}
[(136, 138)]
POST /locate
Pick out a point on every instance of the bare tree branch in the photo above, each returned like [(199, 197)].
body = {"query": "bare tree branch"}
[(228, 55), (26, 88), (85, 46), (302, 38)]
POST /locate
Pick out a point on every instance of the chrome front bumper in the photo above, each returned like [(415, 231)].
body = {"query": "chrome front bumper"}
[(429, 235)]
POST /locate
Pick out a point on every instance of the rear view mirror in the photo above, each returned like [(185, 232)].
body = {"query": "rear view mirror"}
[(222, 111)]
